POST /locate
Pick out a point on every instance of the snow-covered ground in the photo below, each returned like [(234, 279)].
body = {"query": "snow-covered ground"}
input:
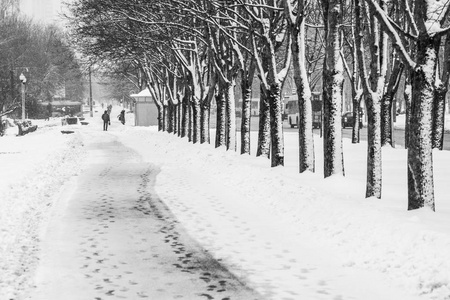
[(288, 235)]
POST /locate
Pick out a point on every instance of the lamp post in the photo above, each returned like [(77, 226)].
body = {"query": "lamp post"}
[(90, 93), (23, 79)]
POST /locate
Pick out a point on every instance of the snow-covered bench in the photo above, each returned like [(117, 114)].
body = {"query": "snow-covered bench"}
[(26, 127)]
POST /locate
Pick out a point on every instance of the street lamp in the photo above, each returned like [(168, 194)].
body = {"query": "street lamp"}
[(23, 79)]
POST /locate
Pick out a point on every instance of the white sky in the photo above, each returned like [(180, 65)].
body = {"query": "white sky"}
[(46, 11)]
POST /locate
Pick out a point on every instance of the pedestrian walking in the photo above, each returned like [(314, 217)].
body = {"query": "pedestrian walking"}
[(121, 117), (106, 120), (49, 111)]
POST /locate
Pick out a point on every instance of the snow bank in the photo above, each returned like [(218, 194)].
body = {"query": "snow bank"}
[(378, 235), (37, 166)]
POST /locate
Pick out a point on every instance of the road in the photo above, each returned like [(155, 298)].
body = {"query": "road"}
[(399, 135), (112, 237)]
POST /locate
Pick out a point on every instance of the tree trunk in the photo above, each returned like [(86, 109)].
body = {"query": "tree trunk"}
[(264, 126), (165, 118), (373, 86), (374, 171), (175, 119), (439, 116), (190, 119), (171, 117), (185, 115), (246, 116), (387, 100), (220, 119), (420, 154), (160, 117), (357, 116), (333, 78), (386, 120), (196, 120), (407, 94), (205, 116), (305, 122), (230, 115), (179, 113), (276, 126)]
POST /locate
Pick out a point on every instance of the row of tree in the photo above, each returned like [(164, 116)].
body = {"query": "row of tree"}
[(189, 52), (42, 54)]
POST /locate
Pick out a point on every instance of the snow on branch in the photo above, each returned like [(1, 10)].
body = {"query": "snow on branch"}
[(390, 30)]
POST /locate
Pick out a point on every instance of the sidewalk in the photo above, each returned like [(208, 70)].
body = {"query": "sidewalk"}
[(109, 238)]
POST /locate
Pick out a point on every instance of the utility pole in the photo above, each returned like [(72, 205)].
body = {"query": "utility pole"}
[(90, 93), (11, 74)]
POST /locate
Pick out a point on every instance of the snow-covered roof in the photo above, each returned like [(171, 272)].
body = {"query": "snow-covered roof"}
[(143, 96), (143, 93)]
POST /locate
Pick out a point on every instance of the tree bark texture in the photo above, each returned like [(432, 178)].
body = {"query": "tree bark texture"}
[(357, 115), (196, 120), (420, 154), (160, 117), (175, 118), (205, 122), (333, 78), (230, 115), (246, 116), (276, 126), (171, 117), (185, 114), (387, 100), (374, 170), (220, 120), (386, 120), (190, 120), (439, 115), (407, 95), (179, 114), (264, 126)]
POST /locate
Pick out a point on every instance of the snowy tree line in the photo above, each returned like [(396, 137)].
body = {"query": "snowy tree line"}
[(189, 52), (41, 53)]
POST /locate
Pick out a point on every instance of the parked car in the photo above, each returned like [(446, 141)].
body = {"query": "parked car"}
[(347, 120)]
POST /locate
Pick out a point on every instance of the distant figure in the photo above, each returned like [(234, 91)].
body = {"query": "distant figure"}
[(49, 111), (106, 120), (121, 117), (109, 108)]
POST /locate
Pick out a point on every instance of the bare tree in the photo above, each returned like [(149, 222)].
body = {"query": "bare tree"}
[(296, 21), (270, 35), (426, 20), (373, 85)]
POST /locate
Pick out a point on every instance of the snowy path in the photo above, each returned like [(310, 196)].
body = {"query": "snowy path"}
[(232, 211), (110, 238)]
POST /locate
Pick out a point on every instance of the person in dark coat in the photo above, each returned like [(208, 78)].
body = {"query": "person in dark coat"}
[(122, 117), (49, 111), (106, 120)]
